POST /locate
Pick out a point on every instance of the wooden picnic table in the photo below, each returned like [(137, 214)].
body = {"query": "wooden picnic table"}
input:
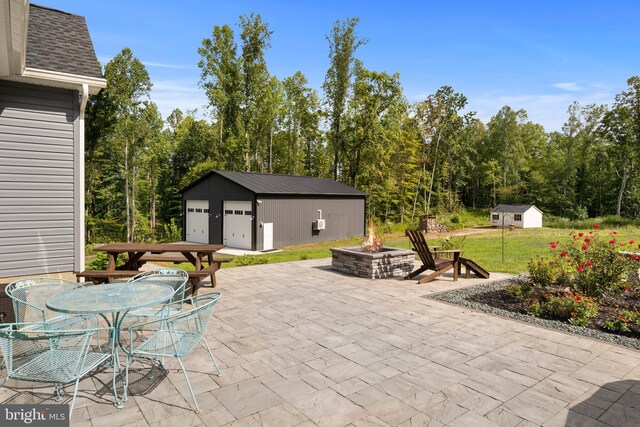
[(140, 253)]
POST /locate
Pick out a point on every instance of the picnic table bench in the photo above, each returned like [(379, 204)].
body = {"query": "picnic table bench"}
[(140, 253)]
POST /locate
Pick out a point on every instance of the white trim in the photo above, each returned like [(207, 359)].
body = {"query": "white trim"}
[(81, 214), (58, 79)]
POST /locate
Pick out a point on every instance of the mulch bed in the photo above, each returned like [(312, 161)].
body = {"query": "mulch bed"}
[(608, 306), (495, 299)]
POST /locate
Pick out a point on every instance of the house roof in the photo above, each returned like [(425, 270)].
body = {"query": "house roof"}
[(264, 183), (59, 41), (514, 208)]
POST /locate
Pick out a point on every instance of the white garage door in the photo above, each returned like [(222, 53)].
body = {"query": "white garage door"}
[(198, 221), (237, 224)]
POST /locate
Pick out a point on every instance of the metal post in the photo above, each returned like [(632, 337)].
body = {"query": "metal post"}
[(503, 215)]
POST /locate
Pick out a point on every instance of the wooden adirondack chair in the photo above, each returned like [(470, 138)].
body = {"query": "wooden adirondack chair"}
[(436, 263)]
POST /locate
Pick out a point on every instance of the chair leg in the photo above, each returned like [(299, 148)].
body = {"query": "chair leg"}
[(211, 354), (73, 401), (58, 392), (415, 273), (189, 384)]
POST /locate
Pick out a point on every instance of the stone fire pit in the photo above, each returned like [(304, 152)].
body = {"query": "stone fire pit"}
[(389, 262)]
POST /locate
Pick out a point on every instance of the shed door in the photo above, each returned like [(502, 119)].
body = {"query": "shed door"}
[(237, 224), (198, 221), (267, 236)]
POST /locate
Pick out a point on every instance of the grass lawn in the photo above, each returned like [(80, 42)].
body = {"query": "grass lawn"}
[(520, 246)]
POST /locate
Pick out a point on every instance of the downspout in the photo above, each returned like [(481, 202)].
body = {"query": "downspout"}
[(84, 94)]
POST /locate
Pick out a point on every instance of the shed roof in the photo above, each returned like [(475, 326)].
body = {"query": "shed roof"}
[(59, 41), (264, 183), (514, 208)]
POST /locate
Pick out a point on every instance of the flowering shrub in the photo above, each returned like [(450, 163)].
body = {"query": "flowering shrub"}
[(572, 306), (588, 263)]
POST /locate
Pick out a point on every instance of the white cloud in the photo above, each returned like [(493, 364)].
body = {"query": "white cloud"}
[(164, 65), (569, 86), (183, 94), (549, 110)]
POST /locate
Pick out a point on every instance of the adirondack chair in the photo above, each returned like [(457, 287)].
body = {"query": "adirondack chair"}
[(431, 259)]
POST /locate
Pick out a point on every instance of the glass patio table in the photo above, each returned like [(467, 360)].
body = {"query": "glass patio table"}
[(115, 298)]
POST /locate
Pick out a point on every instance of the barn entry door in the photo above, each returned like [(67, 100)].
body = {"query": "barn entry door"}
[(198, 221), (237, 224)]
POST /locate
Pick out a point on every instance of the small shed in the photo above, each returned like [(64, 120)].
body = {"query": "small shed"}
[(520, 216), (260, 212)]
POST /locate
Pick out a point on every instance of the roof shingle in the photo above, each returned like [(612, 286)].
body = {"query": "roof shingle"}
[(264, 183), (60, 41)]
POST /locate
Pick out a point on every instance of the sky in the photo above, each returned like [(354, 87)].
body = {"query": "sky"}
[(537, 55)]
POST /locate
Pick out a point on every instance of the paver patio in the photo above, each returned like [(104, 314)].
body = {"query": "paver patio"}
[(300, 344)]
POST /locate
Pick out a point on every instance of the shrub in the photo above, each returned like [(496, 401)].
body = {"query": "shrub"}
[(575, 307), (251, 260), (520, 290), (172, 232), (541, 272), (616, 324), (456, 242), (588, 263), (101, 261)]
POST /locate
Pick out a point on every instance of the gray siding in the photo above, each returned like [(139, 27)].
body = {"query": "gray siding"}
[(38, 204), (292, 219)]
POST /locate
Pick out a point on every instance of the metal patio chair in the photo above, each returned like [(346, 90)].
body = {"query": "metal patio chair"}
[(173, 336), (172, 277), (29, 298), (34, 352)]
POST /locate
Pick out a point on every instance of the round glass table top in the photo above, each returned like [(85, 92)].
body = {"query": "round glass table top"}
[(109, 298)]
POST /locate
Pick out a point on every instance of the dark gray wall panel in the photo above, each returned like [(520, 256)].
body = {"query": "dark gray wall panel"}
[(292, 219), (38, 200)]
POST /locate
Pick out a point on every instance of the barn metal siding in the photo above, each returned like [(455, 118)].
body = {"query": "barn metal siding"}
[(292, 219), (38, 174), (216, 189)]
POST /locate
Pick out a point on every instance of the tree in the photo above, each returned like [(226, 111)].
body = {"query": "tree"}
[(128, 85), (255, 38), (439, 122), (343, 43)]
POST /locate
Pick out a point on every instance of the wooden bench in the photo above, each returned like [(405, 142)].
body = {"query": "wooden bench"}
[(195, 277)]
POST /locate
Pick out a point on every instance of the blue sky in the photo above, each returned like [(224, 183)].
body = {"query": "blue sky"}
[(536, 55)]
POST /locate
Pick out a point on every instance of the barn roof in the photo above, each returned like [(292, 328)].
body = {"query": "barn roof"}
[(514, 208), (264, 183), (60, 41)]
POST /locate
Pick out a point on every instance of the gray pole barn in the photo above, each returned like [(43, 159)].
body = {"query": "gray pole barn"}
[(260, 211)]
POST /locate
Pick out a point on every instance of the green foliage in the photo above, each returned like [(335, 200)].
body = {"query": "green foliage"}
[(588, 263), (574, 307), (454, 242), (251, 260), (542, 272), (520, 291), (616, 324), (101, 261), (172, 232)]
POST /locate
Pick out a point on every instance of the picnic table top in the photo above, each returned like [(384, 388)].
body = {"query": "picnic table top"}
[(158, 247)]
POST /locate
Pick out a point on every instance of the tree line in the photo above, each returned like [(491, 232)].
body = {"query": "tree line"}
[(412, 159)]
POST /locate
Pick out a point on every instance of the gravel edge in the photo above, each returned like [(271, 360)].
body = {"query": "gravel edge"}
[(460, 297)]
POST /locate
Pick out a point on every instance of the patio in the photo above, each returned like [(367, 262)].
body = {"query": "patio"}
[(300, 344)]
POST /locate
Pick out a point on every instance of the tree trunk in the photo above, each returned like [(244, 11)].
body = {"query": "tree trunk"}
[(152, 201), (126, 187), (133, 203), (271, 149), (623, 184)]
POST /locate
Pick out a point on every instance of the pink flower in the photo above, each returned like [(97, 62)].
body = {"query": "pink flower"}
[(563, 254), (587, 240), (590, 263), (581, 234), (579, 268), (585, 247), (596, 226), (612, 241)]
